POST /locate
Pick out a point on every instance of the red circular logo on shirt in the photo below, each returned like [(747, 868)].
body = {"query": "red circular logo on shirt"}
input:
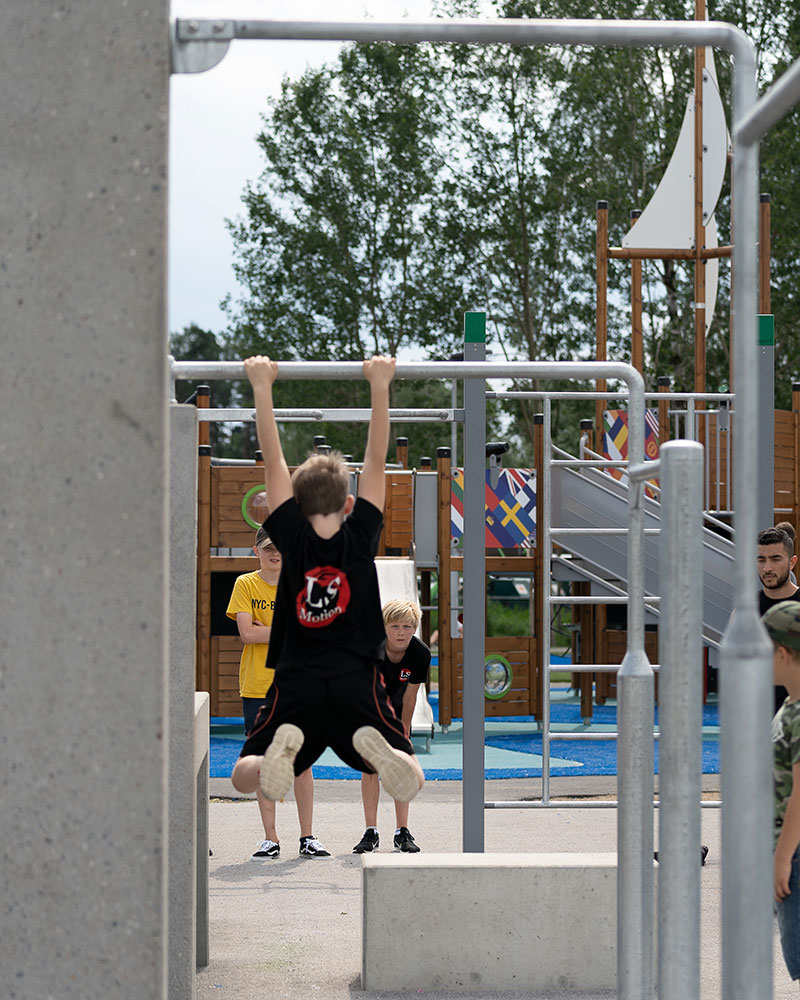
[(324, 597)]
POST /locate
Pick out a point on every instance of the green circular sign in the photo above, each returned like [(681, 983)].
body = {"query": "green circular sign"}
[(254, 502), (498, 676)]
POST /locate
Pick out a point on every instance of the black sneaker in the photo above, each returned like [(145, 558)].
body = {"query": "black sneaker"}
[(310, 847), (266, 849), (403, 841), (368, 843)]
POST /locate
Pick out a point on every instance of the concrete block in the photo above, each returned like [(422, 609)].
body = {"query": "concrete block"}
[(489, 922), (182, 710), (84, 542)]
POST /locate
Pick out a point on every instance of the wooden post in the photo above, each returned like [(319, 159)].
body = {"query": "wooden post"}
[(446, 664), (637, 332), (602, 314), (401, 451), (764, 254), (663, 410)]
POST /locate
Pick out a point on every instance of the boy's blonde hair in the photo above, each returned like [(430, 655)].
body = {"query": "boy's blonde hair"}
[(402, 612), (321, 484)]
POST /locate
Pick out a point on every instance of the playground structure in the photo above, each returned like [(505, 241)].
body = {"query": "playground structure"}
[(586, 501), (120, 896)]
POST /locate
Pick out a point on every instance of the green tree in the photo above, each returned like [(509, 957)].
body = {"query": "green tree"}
[(405, 184), (193, 343), (334, 251)]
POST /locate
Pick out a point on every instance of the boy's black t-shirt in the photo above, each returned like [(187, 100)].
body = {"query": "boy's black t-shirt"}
[(764, 604), (327, 610), (412, 669)]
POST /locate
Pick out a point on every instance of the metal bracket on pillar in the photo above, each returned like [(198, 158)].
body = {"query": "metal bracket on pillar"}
[(199, 45), (494, 449)]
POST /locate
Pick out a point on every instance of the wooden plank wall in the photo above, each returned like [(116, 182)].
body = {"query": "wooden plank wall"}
[(226, 652), (613, 645), (521, 653)]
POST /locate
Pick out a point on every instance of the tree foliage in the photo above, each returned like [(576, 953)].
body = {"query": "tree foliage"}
[(403, 185)]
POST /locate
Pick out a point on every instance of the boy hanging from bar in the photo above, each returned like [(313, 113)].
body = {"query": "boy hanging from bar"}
[(327, 631)]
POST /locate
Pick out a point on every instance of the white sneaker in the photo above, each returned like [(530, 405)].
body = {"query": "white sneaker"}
[(266, 849), (277, 766), (397, 773)]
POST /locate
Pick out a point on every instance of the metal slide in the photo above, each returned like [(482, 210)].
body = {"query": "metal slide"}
[(397, 579), (590, 498)]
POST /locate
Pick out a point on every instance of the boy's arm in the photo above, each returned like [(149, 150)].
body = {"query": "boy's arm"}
[(409, 701), (262, 374), (379, 372), (788, 839), (252, 632)]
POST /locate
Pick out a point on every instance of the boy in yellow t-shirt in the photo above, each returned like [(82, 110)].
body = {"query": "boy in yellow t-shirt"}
[(251, 606)]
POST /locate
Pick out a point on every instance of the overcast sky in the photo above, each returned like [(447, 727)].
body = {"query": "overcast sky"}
[(214, 119)]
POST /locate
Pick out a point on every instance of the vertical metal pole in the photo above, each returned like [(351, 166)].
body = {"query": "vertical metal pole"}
[(601, 319), (746, 661), (543, 526), (680, 715), (635, 751), (454, 425), (474, 586)]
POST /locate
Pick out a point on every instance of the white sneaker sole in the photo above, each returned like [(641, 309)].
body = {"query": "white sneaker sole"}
[(277, 767), (398, 775)]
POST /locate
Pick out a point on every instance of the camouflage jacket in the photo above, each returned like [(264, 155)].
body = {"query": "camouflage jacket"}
[(785, 754)]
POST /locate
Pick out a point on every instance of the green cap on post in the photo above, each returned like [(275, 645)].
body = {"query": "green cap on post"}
[(475, 328), (766, 330)]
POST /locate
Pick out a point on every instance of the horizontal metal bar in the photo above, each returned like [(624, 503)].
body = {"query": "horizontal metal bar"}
[(433, 370), (508, 31), (596, 599), (340, 415), (566, 532), (590, 668), (582, 735), (645, 470), (580, 804), (581, 463), (660, 397)]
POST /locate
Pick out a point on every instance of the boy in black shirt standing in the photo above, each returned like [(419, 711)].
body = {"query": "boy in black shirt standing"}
[(405, 666), (327, 630)]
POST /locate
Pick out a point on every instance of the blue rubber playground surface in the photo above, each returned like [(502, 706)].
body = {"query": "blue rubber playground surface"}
[(513, 745)]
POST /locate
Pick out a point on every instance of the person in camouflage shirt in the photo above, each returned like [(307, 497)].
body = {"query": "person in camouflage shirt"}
[(782, 622)]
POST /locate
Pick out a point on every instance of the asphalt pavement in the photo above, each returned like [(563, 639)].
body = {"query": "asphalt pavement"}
[(290, 928)]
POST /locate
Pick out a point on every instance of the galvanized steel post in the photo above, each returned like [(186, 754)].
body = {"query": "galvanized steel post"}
[(474, 586), (635, 746), (680, 717)]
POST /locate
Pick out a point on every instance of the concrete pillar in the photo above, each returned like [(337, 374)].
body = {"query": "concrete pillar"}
[(84, 529), (182, 645)]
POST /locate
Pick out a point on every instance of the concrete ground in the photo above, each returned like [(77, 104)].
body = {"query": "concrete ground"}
[(290, 929)]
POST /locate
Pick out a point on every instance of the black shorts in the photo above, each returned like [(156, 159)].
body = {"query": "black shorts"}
[(328, 710)]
